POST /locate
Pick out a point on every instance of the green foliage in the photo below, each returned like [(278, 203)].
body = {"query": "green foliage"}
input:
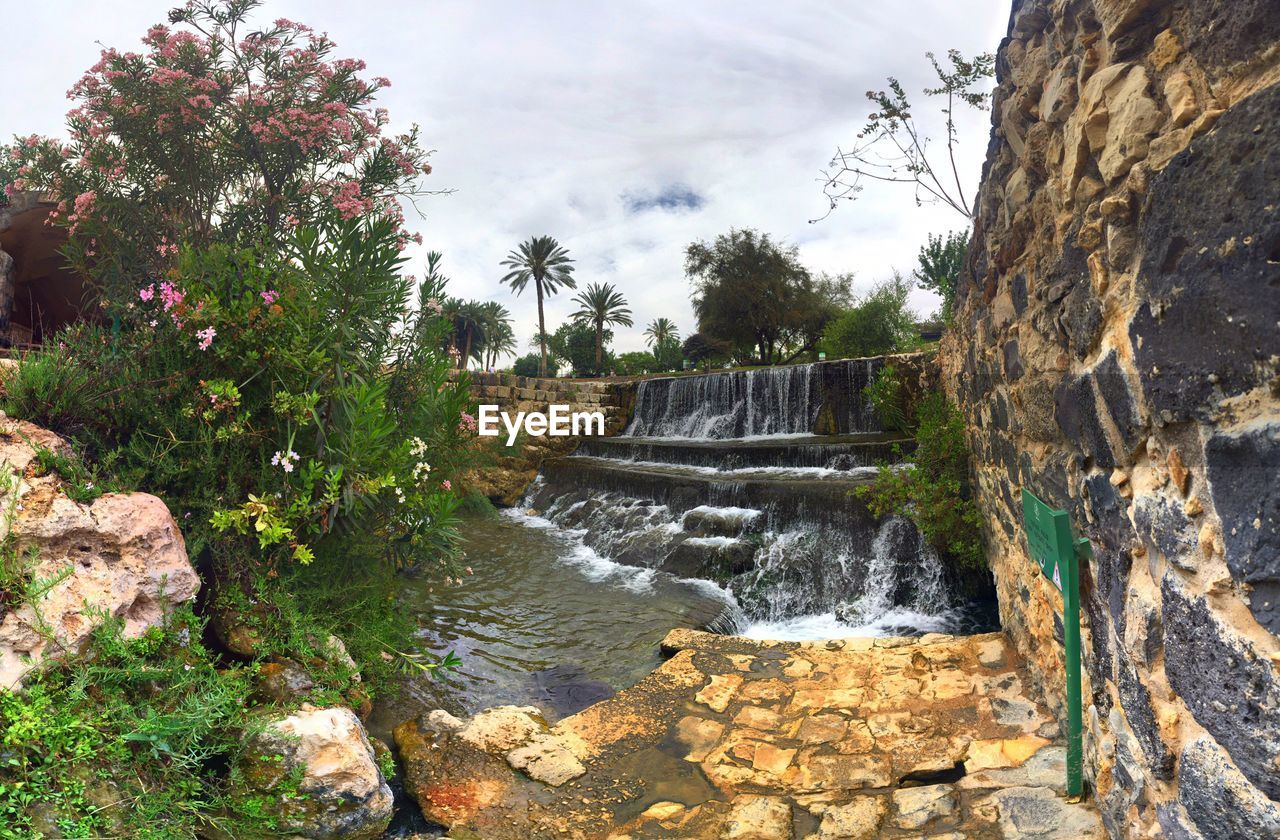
[(880, 322), (545, 262), (933, 491), (669, 355), (702, 349), (574, 343), (636, 362), (599, 306), (121, 744), (529, 365), (661, 331), (939, 265), (888, 397), (754, 295)]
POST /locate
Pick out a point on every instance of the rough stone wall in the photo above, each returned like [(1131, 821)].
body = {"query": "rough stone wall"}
[(1115, 350), (514, 469)]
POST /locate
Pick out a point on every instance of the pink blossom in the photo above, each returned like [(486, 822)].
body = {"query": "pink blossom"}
[(446, 484), (147, 293), (270, 296), (169, 295), (206, 337), (466, 423)]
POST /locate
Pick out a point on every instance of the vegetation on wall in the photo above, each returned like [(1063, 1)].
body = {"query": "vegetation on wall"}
[(933, 490)]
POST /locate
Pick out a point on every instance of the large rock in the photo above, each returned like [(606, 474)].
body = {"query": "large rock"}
[(122, 556), (340, 789), (1219, 800)]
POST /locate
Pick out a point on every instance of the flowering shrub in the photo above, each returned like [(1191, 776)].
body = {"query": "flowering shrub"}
[(214, 132)]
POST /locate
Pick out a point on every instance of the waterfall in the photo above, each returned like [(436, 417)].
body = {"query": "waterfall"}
[(721, 479), (754, 403)]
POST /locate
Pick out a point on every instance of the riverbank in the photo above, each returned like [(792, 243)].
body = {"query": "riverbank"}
[(858, 738)]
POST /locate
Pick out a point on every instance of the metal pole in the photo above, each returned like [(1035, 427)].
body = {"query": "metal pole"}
[(1071, 639)]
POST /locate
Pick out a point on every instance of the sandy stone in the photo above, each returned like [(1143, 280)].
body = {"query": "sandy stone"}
[(700, 735), (821, 729), (1007, 752), (772, 759), (758, 818), (503, 728), (719, 691), (755, 717), (547, 758), (991, 653), (1028, 812), (917, 806), (856, 820)]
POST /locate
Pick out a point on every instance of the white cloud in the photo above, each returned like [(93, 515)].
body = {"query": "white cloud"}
[(551, 117)]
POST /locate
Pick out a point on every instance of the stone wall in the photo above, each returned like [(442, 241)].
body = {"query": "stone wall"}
[(514, 468), (1115, 350)]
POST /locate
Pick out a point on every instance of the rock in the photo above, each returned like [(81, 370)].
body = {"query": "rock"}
[(282, 681), (1230, 688), (342, 791), (1131, 118), (547, 758), (856, 820), (1219, 799), (918, 806), (758, 818), (123, 555), (1034, 812), (1242, 469), (1189, 362)]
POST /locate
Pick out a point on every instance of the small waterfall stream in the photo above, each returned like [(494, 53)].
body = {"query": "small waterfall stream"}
[(720, 478)]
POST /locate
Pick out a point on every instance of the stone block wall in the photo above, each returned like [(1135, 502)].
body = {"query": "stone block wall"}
[(1115, 350), (505, 481)]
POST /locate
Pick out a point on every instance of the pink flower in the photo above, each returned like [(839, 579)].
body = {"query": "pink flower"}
[(169, 295), (446, 485), (147, 293), (269, 297), (466, 423), (206, 337)]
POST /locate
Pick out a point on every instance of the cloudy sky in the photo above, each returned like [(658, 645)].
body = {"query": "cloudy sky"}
[(626, 129)]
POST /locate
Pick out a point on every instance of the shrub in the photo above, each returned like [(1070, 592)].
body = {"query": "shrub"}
[(933, 491), (889, 400), (530, 365), (879, 323), (637, 362)]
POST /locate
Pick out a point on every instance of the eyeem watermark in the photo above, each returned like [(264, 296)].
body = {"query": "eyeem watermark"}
[(558, 422)]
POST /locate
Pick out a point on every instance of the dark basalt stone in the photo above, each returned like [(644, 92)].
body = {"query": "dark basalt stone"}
[(1232, 691), (1244, 479), (1174, 823), (1113, 386), (1164, 526), (1135, 699), (1222, 804), (1220, 33), (1018, 289), (1076, 410), (1210, 271), (1013, 369)]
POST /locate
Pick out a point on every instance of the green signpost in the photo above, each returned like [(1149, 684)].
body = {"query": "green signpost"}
[(1050, 544)]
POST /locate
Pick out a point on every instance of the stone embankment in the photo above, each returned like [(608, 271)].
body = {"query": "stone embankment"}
[(843, 740), (514, 468), (1115, 350)]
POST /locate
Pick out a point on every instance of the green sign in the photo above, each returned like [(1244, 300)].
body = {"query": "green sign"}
[(1051, 546)]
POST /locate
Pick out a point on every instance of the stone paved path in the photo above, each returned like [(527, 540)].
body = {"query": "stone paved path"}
[(843, 740)]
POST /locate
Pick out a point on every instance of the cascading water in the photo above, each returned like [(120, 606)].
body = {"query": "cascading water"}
[(721, 478)]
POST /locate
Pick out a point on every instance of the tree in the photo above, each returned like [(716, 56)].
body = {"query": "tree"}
[(940, 264), (661, 330), (544, 261), (599, 305), (754, 295), (637, 362), (574, 342), (668, 355), (215, 133), (528, 365), (467, 336), (704, 350), (879, 323), (891, 147), (499, 338)]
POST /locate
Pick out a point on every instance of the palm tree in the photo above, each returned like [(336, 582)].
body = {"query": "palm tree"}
[(467, 335), (600, 305), (546, 262), (660, 331), (499, 338)]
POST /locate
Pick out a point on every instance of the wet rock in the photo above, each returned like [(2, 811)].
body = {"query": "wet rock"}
[(1219, 800), (567, 689), (1242, 470), (1231, 689), (122, 555), (340, 789)]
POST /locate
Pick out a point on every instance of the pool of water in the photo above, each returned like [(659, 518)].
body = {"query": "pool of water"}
[(543, 620)]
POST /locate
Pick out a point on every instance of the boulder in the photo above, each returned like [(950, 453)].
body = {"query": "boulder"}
[(340, 791), (122, 556)]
